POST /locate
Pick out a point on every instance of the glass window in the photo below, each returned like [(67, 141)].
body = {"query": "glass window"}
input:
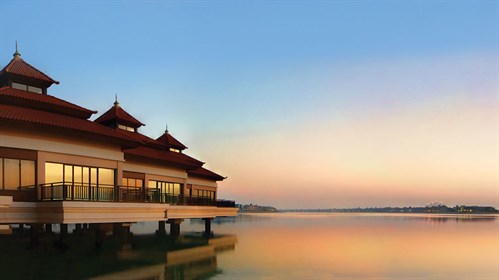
[(53, 172), (106, 176), (152, 184), (77, 177), (176, 189), (11, 173), (93, 176), (127, 128), (139, 183), (85, 175), (68, 174), (27, 173), (131, 182), (19, 86), (1, 173), (34, 89)]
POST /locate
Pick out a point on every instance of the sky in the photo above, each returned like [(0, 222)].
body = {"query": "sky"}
[(301, 104)]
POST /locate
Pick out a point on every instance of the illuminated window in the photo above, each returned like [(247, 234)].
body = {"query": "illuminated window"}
[(11, 172), (174, 150), (127, 128), (203, 193), (132, 182), (165, 187), (27, 173), (78, 175), (106, 176), (54, 172), (1, 174), (15, 173)]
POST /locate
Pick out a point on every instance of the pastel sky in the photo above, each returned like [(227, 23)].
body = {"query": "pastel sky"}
[(302, 104)]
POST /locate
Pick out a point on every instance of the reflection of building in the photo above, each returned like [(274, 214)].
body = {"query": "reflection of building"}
[(92, 254), (199, 262), (57, 166)]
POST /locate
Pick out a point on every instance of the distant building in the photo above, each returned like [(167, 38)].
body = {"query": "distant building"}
[(57, 166)]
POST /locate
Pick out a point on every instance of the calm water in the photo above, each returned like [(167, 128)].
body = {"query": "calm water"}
[(360, 246), (270, 246)]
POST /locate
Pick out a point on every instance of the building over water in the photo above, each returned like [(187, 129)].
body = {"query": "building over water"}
[(58, 166)]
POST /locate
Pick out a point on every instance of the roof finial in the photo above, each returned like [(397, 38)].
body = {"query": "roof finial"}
[(166, 128), (116, 103), (17, 54)]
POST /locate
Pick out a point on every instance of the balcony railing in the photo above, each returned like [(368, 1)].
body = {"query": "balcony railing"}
[(78, 192), (69, 191)]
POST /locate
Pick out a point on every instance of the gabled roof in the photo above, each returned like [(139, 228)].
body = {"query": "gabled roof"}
[(163, 156), (205, 173), (169, 140), (116, 115), (17, 66), (36, 119), (43, 102)]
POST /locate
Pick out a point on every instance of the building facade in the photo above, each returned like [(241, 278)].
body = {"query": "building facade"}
[(58, 166)]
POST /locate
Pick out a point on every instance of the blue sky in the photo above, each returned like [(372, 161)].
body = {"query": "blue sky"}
[(253, 84)]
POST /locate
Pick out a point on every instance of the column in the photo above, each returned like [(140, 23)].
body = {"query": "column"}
[(175, 227), (207, 227), (48, 228), (161, 228)]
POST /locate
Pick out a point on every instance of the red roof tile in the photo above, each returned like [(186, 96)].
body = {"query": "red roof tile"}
[(143, 139), (205, 173), (117, 115), (169, 140), (41, 119), (173, 158), (44, 102), (18, 66)]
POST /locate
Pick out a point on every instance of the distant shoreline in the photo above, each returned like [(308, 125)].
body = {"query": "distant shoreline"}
[(440, 209)]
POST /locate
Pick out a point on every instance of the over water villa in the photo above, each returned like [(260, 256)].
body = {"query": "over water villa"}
[(59, 167)]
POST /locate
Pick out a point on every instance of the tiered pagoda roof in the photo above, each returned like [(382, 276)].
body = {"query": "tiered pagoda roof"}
[(42, 112), (116, 115), (18, 69), (170, 141)]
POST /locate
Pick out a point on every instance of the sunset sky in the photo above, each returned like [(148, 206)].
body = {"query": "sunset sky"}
[(302, 104)]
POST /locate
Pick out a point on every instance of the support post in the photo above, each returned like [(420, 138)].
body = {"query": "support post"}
[(62, 235), (64, 231), (48, 228), (34, 231), (161, 228), (78, 230), (175, 227), (207, 227), (117, 229)]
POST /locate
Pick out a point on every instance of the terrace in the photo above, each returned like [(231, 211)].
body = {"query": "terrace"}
[(67, 191)]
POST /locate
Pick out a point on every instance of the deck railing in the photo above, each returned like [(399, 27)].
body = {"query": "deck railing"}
[(70, 191), (79, 192)]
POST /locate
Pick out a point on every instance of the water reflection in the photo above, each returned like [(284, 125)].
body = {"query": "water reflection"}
[(363, 246), (103, 251)]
